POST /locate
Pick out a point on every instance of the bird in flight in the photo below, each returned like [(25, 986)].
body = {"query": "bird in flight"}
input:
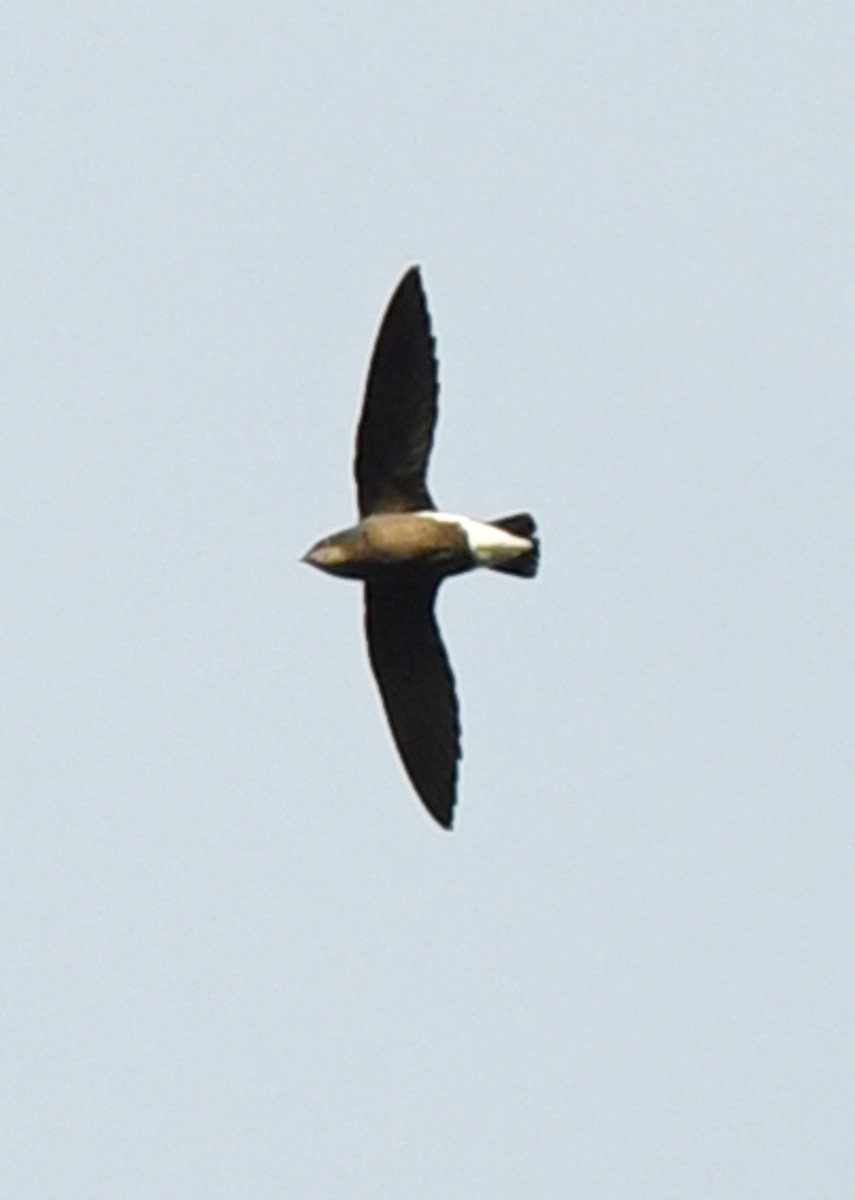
[(403, 548)]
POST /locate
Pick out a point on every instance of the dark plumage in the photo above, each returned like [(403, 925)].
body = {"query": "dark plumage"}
[(403, 549), (395, 432)]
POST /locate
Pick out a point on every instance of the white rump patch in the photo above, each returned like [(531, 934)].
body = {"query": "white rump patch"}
[(489, 545)]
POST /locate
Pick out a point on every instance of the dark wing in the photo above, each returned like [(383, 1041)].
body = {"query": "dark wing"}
[(399, 411), (415, 680)]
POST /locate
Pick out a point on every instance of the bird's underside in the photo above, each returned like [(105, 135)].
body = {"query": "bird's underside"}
[(403, 549)]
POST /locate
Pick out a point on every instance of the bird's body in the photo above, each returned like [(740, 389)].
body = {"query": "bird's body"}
[(402, 548), (386, 545)]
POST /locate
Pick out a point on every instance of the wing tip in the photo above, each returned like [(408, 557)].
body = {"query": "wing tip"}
[(443, 815), (411, 278)]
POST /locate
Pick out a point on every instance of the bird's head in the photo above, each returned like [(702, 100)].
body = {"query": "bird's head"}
[(338, 554)]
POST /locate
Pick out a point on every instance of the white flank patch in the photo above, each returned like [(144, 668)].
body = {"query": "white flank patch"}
[(487, 543)]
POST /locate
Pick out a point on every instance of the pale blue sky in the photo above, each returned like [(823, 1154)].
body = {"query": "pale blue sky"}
[(238, 960)]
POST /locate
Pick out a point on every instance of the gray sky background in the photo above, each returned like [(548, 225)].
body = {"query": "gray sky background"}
[(237, 957)]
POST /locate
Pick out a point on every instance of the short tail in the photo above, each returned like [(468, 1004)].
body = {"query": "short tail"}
[(527, 561)]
